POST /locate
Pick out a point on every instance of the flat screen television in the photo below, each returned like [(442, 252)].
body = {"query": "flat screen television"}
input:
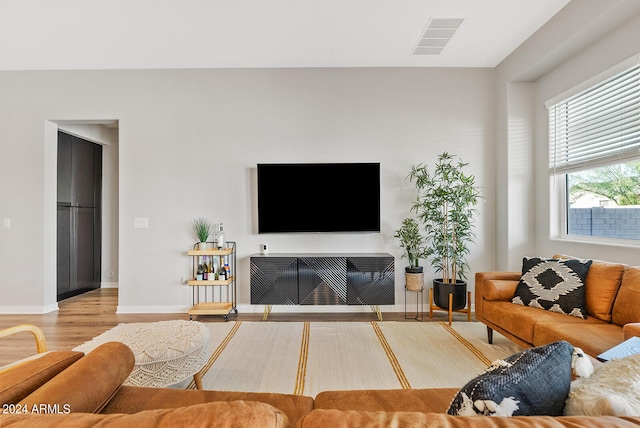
[(318, 197)]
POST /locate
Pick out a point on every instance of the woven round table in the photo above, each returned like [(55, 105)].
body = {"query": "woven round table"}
[(167, 352)]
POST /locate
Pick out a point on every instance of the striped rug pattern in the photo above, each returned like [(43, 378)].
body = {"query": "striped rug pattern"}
[(306, 358)]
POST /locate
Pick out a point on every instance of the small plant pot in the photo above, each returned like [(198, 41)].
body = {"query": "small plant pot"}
[(414, 281), (202, 245), (441, 291)]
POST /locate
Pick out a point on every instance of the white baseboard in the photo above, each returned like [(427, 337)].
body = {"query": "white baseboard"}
[(28, 309), (108, 285), (170, 309)]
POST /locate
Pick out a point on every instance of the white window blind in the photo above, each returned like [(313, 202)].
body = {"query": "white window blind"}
[(598, 126)]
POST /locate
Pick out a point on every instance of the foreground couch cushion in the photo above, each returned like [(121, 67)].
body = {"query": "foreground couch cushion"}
[(435, 400), (22, 379), (87, 385), (322, 418), (132, 399), (218, 414)]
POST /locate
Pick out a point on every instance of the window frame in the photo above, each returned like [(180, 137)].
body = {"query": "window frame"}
[(558, 181)]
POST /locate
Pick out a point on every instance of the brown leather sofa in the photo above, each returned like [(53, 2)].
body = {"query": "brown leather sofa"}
[(67, 389), (612, 292)]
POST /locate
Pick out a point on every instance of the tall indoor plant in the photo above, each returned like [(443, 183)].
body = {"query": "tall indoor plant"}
[(445, 204), (413, 243)]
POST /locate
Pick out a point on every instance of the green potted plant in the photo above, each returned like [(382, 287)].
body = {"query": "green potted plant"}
[(202, 228), (413, 243), (445, 204)]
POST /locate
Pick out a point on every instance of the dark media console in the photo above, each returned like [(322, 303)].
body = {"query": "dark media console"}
[(322, 279)]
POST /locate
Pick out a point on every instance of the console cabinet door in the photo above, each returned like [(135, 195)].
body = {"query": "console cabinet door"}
[(322, 280), (370, 281), (274, 280)]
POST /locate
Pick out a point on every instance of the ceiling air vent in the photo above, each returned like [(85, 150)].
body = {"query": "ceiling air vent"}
[(436, 36)]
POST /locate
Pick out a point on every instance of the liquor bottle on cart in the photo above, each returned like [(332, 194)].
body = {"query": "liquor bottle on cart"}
[(220, 237)]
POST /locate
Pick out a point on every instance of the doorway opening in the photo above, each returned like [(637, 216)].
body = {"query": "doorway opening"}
[(86, 228)]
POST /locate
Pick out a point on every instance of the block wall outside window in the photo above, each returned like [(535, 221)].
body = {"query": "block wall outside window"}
[(623, 223)]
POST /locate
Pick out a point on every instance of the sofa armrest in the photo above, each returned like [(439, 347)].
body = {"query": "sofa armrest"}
[(499, 289), (88, 384), (29, 374), (631, 329), (495, 285)]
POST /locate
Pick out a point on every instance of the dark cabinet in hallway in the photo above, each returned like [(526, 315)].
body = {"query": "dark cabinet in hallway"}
[(79, 215)]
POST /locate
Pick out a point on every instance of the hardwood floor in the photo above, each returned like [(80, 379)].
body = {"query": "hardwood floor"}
[(83, 317)]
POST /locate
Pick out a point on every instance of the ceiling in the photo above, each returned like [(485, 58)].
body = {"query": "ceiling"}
[(147, 34)]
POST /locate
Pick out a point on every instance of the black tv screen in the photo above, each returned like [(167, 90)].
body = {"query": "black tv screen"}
[(318, 197)]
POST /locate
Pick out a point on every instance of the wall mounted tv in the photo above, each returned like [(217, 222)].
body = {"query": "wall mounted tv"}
[(318, 197)]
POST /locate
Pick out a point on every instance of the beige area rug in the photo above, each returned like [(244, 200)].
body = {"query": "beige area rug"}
[(307, 358)]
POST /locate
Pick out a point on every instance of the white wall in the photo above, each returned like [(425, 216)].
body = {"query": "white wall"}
[(584, 39), (188, 144)]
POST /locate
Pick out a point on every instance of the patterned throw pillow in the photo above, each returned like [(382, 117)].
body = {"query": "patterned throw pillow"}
[(554, 285), (535, 381)]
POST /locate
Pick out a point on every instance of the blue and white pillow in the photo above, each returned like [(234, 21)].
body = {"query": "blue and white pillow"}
[(535, 381)]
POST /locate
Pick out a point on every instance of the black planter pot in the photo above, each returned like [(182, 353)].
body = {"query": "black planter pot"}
[(441, 292), (413, 269)]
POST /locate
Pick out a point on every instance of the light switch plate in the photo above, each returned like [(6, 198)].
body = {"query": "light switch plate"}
[(6, 223)]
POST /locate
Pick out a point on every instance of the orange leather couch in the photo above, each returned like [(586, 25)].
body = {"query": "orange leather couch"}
[(612, 292), (67, 389)]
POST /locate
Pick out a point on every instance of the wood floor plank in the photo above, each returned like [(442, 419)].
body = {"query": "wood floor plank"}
[(83, 317)]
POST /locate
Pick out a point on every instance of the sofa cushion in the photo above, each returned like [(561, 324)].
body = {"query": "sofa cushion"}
[(554, 285), (625, 308), (531, 382), (88, 384), (517, 320), (24, 378), (612, 390), (601, 286), (405, 400), (592, 337), (133, 399), (215, 414), (323, 418)]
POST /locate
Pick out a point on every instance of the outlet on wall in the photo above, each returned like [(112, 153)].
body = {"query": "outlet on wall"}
[(141, 222)]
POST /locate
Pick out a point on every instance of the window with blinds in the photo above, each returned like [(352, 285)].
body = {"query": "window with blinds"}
[(598, 126), (594, 147)]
